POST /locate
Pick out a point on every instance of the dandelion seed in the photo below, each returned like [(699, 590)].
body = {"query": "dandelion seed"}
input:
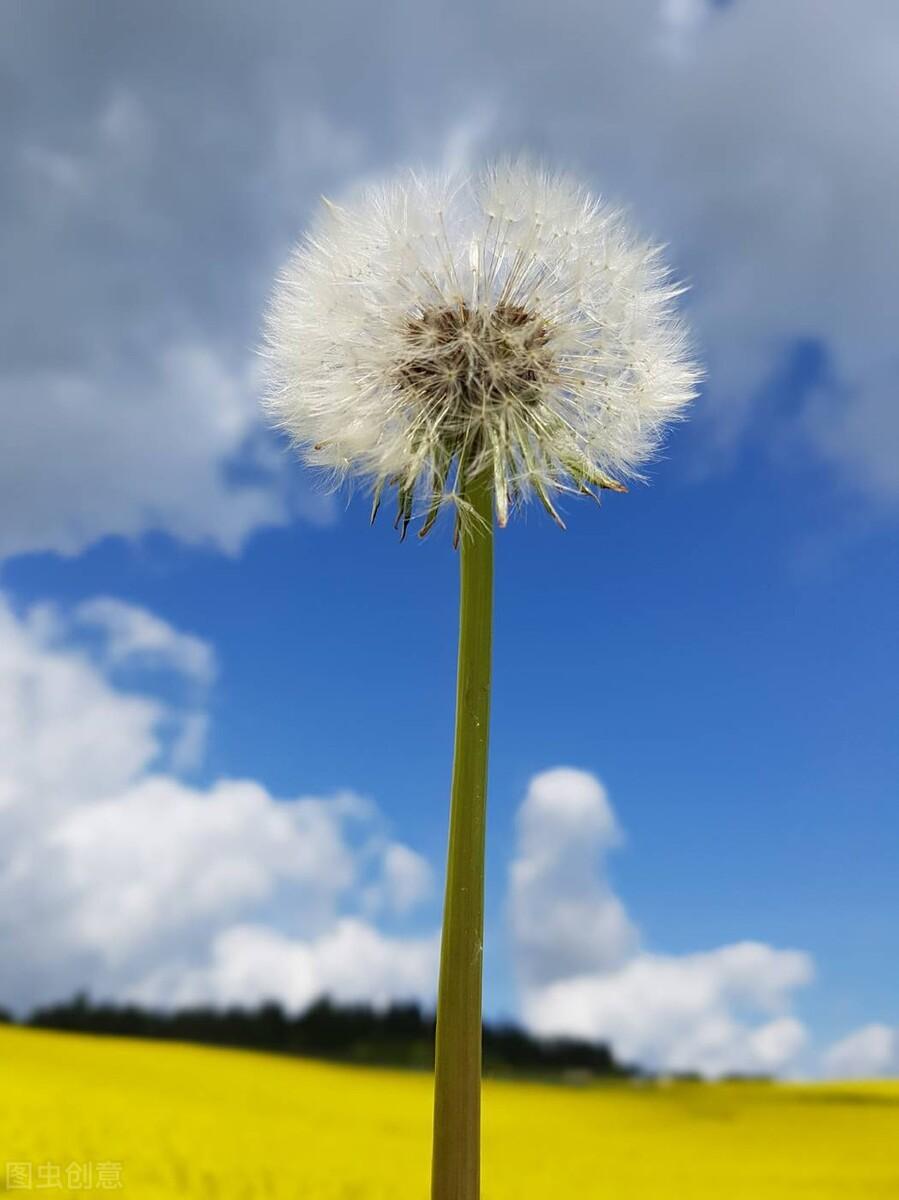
[(440, 329)]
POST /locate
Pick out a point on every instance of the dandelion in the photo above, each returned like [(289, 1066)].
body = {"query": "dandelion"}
[(472, 344)]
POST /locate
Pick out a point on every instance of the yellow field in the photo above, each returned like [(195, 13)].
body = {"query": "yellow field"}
[(151, 1120)]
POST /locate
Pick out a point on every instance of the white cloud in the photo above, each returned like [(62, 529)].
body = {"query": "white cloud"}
[(582, 970), (117, 875), (867, 1053), (406, 879), (56, 709), (126, 409), (678, 1012), (161, 857), (133, 633), (91, 454), (564, 917), (351, 961)]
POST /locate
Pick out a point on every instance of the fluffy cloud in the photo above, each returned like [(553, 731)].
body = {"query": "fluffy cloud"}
[(133, 633), (127, 406), (118, 875), (350, 961), (96, 452), (756, 137), (406, 879), (583, 972), (55, 710), (677, 1013), (866, 1053), (565, 919)]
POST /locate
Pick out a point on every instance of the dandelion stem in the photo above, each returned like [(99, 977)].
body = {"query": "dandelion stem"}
[(457, 1072)]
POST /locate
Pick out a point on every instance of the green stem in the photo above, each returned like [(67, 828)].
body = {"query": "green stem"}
[(457, 1069)]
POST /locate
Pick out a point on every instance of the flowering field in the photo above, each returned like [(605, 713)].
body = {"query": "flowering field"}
[(152, 1120)]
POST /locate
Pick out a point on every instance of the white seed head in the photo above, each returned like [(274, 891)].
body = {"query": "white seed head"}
[(438, 328)]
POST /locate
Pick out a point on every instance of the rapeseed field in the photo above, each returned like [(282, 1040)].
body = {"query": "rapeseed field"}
[(151, 1121)]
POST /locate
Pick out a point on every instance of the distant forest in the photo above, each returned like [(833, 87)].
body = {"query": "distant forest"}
[(401, 1035)]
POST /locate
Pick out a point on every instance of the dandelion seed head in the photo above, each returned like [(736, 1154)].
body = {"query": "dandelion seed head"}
[(437, 328)]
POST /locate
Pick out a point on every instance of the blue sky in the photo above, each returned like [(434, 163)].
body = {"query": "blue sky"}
[(717, 648)]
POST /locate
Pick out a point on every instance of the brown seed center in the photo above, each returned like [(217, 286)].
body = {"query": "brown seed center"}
[(468, 359)]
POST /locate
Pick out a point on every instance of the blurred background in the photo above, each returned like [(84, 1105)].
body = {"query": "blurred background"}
[(226, 703)]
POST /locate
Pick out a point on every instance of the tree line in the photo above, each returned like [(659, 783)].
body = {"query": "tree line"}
[(401, 1035)]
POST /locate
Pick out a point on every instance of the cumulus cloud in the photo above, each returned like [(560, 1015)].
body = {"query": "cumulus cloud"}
[(94, 451), (565, 919), (677, 1012), (405, 879), (583, 972), (248, 964), (132, 633), (118, 875), (866, 1053), (756, 137), (55, 710)]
